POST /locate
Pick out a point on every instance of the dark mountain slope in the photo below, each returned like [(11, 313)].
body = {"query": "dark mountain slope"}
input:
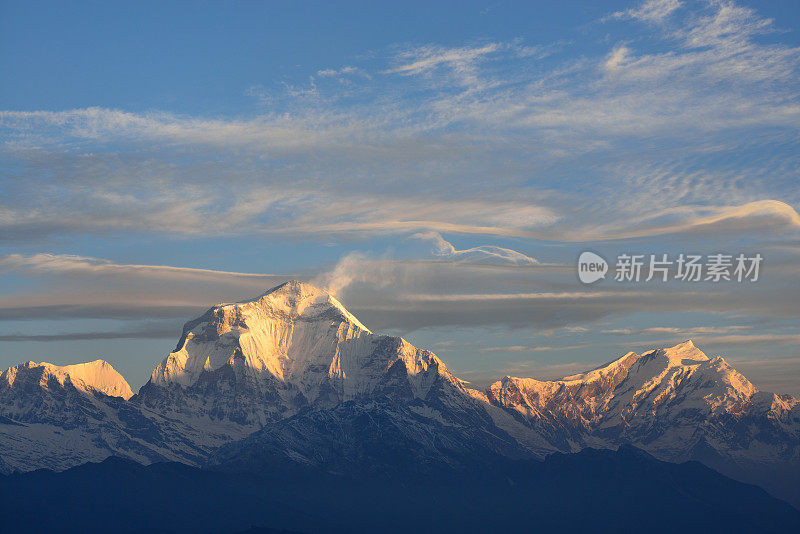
[(597, 491)]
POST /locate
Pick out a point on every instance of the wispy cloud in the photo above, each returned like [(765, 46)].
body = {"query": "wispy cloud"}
[(753, 339), (460, 60), (70, 264), (386, 292), (670, 119), (151, 333), (652, 11), (106, 305), (483, 253), (684, 332), (537, 348), (533, 133), (336, 72), (75, 287)]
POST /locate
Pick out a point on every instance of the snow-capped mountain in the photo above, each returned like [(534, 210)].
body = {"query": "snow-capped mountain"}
[(240, 366), (298, 341), (675, 403), (59, 416), (382, 436), (667, 401), (237, 367), (291, 333), (295, 362), (291, 377), (97, 376)]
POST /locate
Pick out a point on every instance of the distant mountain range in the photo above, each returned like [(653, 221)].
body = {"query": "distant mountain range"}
[(292, 382)]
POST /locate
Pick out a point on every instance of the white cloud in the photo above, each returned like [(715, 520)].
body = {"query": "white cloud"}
[(483, 253), (404, 295), (652, 11), (683, 332), (740, 340), (618, 57), (426, 58), (333, 73), (525, 348), (687, 129), (531, 150), (74, 287), (755, 216), (355, 267), (60, 264)]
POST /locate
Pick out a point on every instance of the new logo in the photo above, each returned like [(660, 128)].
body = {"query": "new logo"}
[(591, 267)]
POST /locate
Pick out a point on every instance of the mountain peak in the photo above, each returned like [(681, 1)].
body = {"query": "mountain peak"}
[(101, 376), (292, 288), (282, 333), (295, 286), (682, 354), (632, 389), (98, 376), (300, 299)]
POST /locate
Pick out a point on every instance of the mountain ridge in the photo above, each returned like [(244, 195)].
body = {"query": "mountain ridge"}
[(292, 371)]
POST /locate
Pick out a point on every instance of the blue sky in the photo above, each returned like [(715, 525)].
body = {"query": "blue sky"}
[(439, 166)]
